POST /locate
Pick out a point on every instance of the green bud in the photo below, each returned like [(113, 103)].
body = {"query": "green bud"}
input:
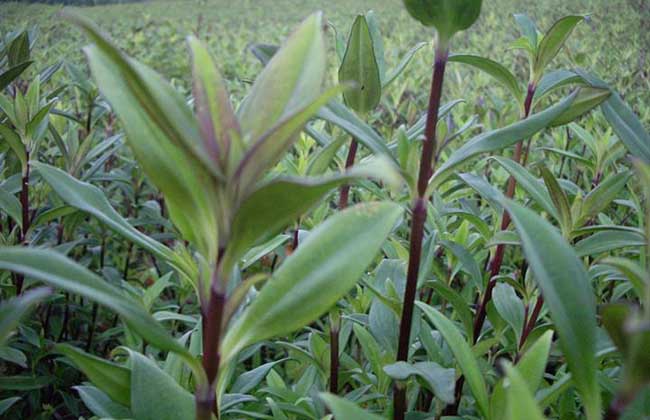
[(447, 16)]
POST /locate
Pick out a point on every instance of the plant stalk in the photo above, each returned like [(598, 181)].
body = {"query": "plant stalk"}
[(497, 260), (24, 203), (419, 216), (345, 189), (206, 402)]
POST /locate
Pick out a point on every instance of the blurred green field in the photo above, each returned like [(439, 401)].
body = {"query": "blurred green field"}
[(613, 44)]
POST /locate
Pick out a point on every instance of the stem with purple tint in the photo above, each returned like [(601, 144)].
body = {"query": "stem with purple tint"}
[(497, 260), (24, 203), (345, 189), (419, 211), (213, 316)]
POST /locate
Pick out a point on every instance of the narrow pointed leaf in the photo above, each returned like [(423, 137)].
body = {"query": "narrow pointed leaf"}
[(568, 294), (303, 288), (500, 138), (344, 409), (59, 271), (113, 379), (553, 41), (462, 353), (493, 69), (628, 127), (217, 120), (14, 309), (290, 81)]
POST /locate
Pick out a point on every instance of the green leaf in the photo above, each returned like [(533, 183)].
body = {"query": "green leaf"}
[(344, 409), (360, 66), (492, 68), (10, 205), (608, 241), (322, 159), (560, 199), (164, 136), (277, 203), (155, 395), (527, 28), (588, 98), (377, 43), (6, 403), (14, 141), (521, 401), (58, 271), (90, 199), (627, 126), (568, 294), (290, 81), (530, 184), (12, 310), (554, 80), (341, 116), (397, 71), (303, 288), (111, 378), (100, 404), (271, 147), (463, 354), (440, 380), (499, 139), (636, 275), (553, 42), (458, 303), (12, 74), (217, 121), (601, 196), (510, 307)]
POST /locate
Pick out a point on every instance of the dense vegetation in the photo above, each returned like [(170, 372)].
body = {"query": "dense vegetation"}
[(436, 209)]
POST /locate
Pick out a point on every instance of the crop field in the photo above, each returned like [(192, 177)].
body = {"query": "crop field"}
[(342, 209)]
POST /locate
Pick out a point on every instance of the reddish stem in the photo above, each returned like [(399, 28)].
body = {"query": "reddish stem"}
[(419, 211), (345, 189)]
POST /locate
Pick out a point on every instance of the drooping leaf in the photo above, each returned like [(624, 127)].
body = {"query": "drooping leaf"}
[(13, 310), (111, 378), (302, 288), (440, 380), (492, 68), (627, 126), (90, 199), (57, 270)]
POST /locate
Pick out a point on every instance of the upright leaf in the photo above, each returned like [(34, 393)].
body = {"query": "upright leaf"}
[(463, 354), (568, 294), (303, 288), (553, 42), (360, 66)]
